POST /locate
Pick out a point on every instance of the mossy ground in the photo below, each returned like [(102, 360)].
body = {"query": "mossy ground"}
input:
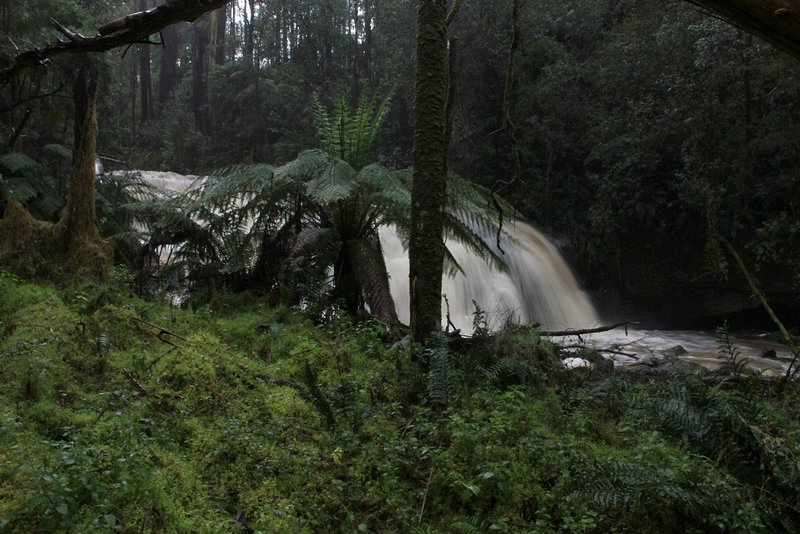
[(123, 415)]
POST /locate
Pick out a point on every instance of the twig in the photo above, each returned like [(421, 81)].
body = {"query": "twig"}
[(424, 498), (610, 351), (146, 392), (161, 332), (449, 322)]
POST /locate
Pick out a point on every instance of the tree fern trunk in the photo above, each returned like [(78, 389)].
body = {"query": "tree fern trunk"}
[(426, 248)]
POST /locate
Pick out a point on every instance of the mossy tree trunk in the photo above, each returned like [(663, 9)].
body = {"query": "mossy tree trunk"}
[(76, 234), (79, 217), (426, 247)]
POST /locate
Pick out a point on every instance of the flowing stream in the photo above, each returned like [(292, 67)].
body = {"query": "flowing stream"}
[(538, 287)]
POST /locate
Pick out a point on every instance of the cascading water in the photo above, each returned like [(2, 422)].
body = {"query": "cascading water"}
[(536, 287)]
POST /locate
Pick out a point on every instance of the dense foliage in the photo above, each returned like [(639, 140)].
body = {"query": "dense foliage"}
[(121, 415)]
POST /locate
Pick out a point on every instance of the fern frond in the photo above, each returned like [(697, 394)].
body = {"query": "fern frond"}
[(18, 164), (335, 183), (440, 374)]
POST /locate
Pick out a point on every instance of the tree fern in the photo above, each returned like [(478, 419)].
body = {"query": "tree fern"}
[(25, 180), (255, 217), (350, 134)]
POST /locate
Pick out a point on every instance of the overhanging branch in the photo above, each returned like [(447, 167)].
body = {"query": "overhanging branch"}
[(134, 28), (776, 21)]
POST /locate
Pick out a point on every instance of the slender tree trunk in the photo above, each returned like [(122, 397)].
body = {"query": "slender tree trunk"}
[(220, 26), (249, 35), (426, 247), (200, 74), (134, 90), (168, 73), (145, 85)]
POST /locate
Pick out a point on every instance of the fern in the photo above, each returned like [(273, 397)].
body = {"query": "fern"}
[(622, 486), (733, 364), (440, 372), (350, 135)]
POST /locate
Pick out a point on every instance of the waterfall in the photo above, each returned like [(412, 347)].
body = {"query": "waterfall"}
[(536, 287)]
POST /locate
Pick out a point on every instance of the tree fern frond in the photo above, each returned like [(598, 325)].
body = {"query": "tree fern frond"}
[(18, 164), (335, 183), (57, 150)]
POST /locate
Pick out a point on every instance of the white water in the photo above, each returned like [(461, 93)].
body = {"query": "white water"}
[(537, 287)]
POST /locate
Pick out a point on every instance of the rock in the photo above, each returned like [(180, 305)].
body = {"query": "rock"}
[(677, 350), (576, 363)]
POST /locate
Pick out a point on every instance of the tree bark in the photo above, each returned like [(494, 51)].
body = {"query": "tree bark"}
[(426, 247)]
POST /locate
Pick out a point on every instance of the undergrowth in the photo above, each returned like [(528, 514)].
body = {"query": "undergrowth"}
[(124, 415)]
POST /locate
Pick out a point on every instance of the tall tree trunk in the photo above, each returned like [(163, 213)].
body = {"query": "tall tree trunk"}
[(168, 73), (249, 33), (426, 247), (368, 42), (134, 90), (200, 74), (143, 51), (219, 27)]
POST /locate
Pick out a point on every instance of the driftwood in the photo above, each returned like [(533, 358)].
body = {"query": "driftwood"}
[(134, 28)]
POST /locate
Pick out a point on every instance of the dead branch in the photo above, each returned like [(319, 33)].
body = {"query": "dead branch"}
[(146, 392), (776, 21), (580, 332), (134, 28), (163, 334), (791, 371)]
